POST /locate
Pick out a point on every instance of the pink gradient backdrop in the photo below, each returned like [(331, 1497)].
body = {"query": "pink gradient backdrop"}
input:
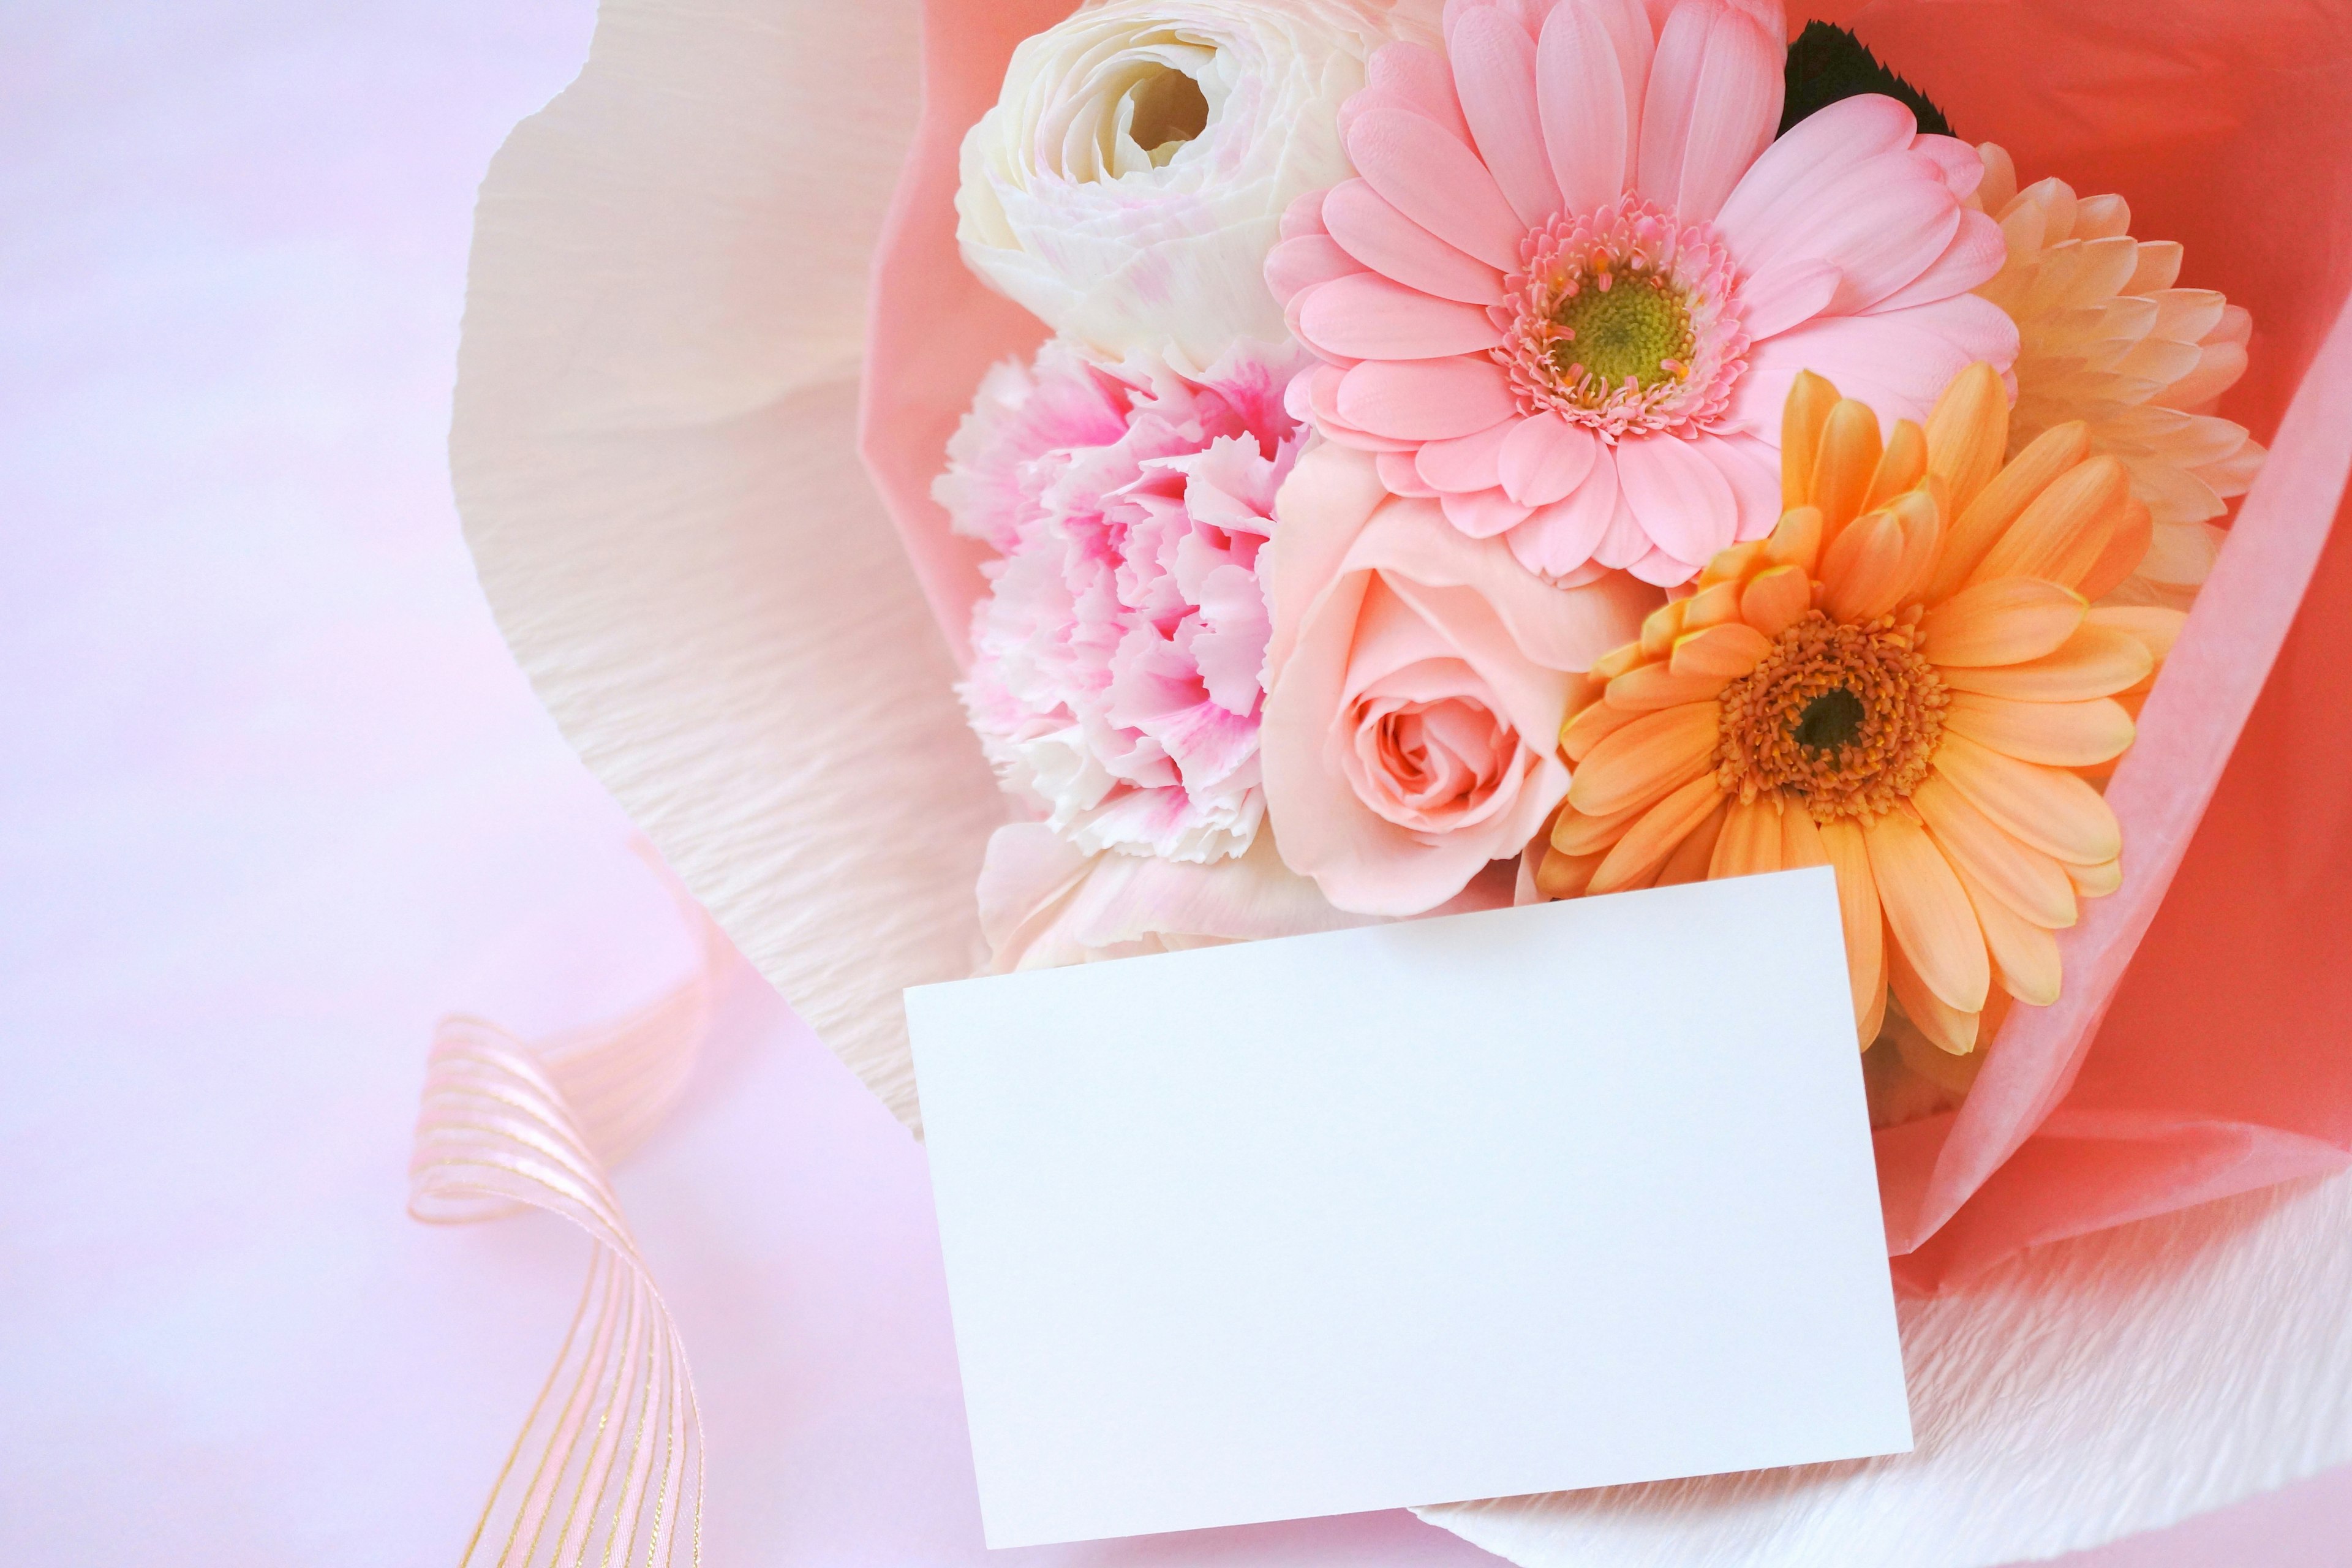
[(275, 797)]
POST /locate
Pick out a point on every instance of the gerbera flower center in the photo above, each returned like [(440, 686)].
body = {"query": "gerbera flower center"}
[(1623, 330), (1624, 322), (1844, 719)]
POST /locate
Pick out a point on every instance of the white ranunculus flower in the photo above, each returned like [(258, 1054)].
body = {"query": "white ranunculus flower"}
[(1131, 179)]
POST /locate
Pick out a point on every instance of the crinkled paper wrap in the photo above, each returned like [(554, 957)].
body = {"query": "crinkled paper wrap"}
[(654, 451)]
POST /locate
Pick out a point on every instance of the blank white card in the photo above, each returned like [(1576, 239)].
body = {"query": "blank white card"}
[(1514, 1202)]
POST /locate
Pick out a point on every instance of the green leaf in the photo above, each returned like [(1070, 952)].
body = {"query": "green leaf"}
[(1827, 63)]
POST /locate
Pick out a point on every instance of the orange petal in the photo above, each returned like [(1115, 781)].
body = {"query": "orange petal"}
[(2024, 878), (1637, 858), (2006, 621), (2064, 531), (1655, 754), (1928, 910), (1843, 464), (1901, 466), (1968, 433), (1732, 565), (1775, 598), (1800, 840), (2097, 881), (2047, 808), (1691, 857), (1652, 686), (1881, 561), (1564, 876), (1923, 541), (1751, 840), (1731, 649), (1865, 946), (1661, 627), (1711, 606), (2024, 956), (1796, 538), (2061, 734), (1573, 833), (2156, 627), (1581, 733), (1862, 571), (1616, 662), (2096, 662), (2127, 548), (2010, 490), (1948, 1028), (1811, 398)]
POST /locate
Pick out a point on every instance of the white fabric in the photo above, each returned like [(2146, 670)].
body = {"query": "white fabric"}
[(654, 452)]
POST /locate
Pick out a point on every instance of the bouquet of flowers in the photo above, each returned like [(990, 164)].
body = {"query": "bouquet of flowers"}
[(1364, 459)]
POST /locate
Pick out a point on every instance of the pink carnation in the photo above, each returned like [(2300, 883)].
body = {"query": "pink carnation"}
[(1117, 659)]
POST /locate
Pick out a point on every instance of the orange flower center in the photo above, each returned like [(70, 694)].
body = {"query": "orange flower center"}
[(1844, 719)]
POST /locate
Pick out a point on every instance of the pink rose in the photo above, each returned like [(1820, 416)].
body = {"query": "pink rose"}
[(1416, 682)]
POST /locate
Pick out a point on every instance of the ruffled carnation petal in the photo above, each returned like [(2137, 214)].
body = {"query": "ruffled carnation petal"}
[(1115, 681)]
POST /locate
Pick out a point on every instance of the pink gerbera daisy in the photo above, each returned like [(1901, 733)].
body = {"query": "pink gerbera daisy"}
[(1570, 291)]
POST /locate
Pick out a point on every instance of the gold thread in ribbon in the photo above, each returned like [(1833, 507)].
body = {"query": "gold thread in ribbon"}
[(608, 1465)]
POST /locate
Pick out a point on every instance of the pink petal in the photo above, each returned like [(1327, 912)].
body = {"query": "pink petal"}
[(1294, 307), (1898, 362), (1963, 166), (1753, 467), (1622, 542), (1482, 514), (1399, 477), (1418, 79), (1560, 539), (1384, 240), (1466, 462), (1663, 569), (1871, 224), (1323, 385), (1783, 296), (1303, 215), (1544, 459), (1817, 152), (1714, 101), (1634, 33), (1494, 75), (1425, 400), (1300, 263), (1683, 501), (1367, 316), (1586, 125), (1978, 250), (1876, 264), (1438, 183)]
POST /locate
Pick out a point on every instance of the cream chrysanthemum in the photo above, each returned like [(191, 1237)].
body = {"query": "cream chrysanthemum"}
[(2105, 338)]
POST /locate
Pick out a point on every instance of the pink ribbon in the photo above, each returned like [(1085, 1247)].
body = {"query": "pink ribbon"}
[(608, 1467)]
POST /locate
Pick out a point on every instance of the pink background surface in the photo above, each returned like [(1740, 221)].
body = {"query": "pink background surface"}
[(275, 797)]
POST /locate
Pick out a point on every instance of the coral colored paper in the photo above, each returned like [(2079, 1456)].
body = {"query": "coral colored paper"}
[(1558, 1196)]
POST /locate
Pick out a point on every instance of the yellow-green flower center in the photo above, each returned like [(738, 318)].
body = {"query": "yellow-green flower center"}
[(1621, 327)]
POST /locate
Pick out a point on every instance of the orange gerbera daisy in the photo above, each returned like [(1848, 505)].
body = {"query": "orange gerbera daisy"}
[(1905, 681)]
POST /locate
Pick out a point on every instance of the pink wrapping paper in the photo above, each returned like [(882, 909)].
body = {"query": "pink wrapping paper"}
[(2197, 1051)]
